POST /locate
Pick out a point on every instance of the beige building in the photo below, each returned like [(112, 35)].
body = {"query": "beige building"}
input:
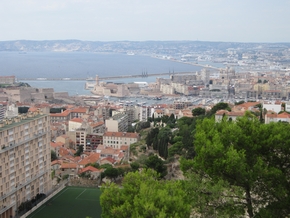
[(25, 160), (7, 79), (117, 139), (117, 123)]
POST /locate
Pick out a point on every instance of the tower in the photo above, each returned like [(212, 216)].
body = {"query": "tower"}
[(97, 80)]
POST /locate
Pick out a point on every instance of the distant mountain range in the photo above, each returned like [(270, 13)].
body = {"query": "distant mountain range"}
[(125, 46)]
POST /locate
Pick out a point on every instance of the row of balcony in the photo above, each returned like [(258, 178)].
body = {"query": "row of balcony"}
[(19, 186), (13, 145)]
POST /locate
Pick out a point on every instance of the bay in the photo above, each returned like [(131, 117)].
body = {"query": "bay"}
[(82, 65)]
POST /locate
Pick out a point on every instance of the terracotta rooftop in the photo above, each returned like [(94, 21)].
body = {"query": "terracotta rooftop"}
[(79, 110), (89, 169), (56, 144), (68, 166), (122, 134), (97, 124), (76, 119), (93, 158)]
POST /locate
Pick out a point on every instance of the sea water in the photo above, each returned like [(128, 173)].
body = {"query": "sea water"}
[(83, 65)]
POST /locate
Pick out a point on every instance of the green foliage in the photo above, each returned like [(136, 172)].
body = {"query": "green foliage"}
[(80, 150), (198, 111), (141, 125), (23, 110), (251, 162), (96, 165), (131, 129), (143, 195), (133, 148), (56, 110), (135, 166), (239, 102), (219, 106), (111, 173), (64, 177), (53, 155), (52, 174), (151, 135), (156, 164), (106, 166)]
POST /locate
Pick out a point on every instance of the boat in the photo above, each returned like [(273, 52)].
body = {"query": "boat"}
[(65, 78), (130, 53), (41, 78), (90, 79)]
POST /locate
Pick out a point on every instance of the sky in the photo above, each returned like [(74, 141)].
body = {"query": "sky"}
[(142, 20)]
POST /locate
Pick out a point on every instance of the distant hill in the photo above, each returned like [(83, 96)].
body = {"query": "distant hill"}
[(124, 46)]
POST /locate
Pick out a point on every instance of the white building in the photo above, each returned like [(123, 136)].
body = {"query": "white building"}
[(117, 139), (272, 106)]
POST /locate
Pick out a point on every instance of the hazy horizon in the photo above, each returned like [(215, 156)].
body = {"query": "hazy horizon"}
[(260, 21), (42, 40)]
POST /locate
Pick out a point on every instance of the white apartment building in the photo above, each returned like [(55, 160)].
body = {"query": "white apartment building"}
[(117, 139), (273, 106), (145, 112), (25, 160)]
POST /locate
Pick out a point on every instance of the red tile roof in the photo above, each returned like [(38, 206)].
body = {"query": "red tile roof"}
[(122, 134), (78, 120), (68, 166), (93, 158), (89, 169)]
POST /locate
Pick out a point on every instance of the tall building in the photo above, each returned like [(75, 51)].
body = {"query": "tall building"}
[(25, 160), (2, 111), (117, 123)]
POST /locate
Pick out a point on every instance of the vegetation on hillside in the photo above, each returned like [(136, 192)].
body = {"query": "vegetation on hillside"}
[(231, 168)]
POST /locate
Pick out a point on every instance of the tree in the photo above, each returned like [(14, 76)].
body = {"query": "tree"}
[(156, 164), (143, 195), (80, 150), (151, 135), (239, 102), (53, 155), (111, 173), (247, 156), (198, 111), (135, 166), (219, 106), (130, 129)]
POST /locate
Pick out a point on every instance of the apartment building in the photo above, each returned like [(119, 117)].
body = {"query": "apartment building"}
[(117, 123), (2, 111), (25, 160), (145, 112), (117, 139)]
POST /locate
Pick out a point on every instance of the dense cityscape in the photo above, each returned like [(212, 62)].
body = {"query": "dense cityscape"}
[(213, 142)]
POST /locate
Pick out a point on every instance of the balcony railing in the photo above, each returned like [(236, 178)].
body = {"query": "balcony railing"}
[(19, 186), (13, 145)]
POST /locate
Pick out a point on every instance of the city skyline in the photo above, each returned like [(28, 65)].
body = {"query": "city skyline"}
[(220, 20)]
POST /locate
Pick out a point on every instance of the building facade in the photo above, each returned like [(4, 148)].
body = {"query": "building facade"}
[(117, 123), (25, 160), (117, 139)]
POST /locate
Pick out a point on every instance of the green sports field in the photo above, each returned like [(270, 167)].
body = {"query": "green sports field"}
[(71, 202)]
